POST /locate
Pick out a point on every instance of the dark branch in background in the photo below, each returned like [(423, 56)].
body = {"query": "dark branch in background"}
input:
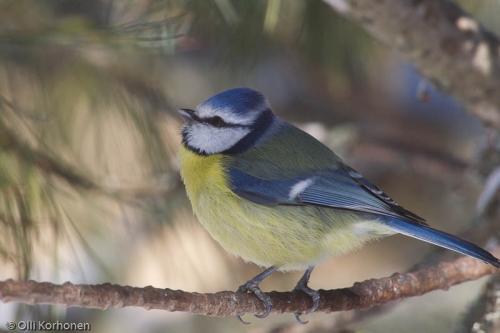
[(362, 295), (483, 314), (446, 45)]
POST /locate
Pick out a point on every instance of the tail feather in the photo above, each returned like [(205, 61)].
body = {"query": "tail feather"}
[(436, 237)]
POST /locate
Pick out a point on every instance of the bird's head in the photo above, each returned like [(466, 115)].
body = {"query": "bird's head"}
[(229, 122)]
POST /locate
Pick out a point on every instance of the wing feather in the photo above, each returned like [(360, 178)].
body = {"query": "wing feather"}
[(342, 188)]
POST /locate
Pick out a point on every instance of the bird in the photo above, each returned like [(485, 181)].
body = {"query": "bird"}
[(273, 195)]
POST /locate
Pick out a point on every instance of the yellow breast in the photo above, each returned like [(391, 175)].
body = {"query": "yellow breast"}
[(289, 237)]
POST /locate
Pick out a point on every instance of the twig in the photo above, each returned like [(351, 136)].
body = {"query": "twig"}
[(362, 295)]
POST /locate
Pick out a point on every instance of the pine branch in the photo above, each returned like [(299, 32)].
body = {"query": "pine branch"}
[(362, 295)]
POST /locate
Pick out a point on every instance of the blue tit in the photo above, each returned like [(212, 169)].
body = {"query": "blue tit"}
[(275, 196)]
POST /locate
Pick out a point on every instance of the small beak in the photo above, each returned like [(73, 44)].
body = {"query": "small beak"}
[(187, 114)]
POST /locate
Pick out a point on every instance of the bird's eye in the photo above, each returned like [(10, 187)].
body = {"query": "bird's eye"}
[(216, 121)]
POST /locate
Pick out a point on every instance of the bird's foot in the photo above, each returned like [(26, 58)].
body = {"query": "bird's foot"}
[(315, 297), (302, 286), (253, 287)]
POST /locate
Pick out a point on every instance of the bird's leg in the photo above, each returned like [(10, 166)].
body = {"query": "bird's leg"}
[(302, 286), (253, 286)]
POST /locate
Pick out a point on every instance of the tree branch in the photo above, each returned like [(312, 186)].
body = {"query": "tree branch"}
[(443, 42), (362, 295)]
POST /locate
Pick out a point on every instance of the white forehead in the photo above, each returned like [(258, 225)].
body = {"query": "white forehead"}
[(230, 115)]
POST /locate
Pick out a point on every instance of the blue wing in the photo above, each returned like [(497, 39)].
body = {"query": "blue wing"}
[(342, 188), (346, 189)]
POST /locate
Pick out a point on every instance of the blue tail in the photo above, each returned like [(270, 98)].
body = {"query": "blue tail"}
[(433, 236)]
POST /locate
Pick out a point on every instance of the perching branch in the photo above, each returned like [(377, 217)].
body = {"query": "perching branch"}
[(362, 295), (443, 42)]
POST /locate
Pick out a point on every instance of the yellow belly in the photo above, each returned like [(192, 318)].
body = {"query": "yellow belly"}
[(288, 237)]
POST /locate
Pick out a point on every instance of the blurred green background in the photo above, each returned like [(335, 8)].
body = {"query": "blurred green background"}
[(89, 176)]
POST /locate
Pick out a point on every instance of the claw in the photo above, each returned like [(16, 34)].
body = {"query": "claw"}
[(242, 321), (315, 296), (268, 304), (297, 317), (253, 287), (265, 314)]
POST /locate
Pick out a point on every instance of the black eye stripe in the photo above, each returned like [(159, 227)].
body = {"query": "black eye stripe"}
[(217, 121)]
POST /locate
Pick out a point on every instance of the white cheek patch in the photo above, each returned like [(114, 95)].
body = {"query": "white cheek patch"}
[(213, 140), (299, 188)]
